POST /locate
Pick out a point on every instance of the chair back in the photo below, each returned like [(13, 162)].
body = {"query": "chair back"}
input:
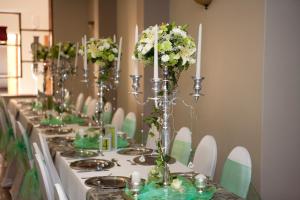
[(12, 122), (3, 121), (152, 137), (79, 103), (48, 160), (37, 150), (27, 145), (86, 104), (205, 158), (44, 177), (107, 114), (91, 108), (59, 192), (118, 118), (236, 175), (182, 146), (129, 124)]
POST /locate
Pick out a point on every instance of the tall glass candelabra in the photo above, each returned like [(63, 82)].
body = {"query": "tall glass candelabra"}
[(62, 71), (163, 99), (102, 86)]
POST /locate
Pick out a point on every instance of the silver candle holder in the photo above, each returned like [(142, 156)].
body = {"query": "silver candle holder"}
[(197, 87), (163, 99)]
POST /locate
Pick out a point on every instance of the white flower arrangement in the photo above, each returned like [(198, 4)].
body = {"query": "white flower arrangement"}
[(102, 52), (175, 47)]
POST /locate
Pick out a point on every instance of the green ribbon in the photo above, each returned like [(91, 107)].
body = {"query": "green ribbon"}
[(30, 188), (106, 117), (186, 191), (122, 143), (6, 139), (18, 149), (181, 151)]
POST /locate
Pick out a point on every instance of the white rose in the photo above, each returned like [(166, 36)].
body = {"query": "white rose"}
[(165, 58), (147, 48), (115, 50), (140, 48), (176, 184)]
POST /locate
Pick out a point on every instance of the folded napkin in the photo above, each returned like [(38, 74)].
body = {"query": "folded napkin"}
[(86, 142), (122, 143), (73, 119), (51, 121)]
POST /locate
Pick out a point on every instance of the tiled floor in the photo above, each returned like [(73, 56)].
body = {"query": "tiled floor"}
[(4, 194)]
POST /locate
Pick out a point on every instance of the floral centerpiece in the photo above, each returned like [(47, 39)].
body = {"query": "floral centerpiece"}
[(67, 50), (42, 53), (176, 51), (102, 52)]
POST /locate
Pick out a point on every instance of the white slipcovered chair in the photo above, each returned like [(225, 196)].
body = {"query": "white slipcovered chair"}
[(91, 108), (129, 124), (205, 158), (45, 179), (236, 174), (59, 192), (79, 103), (48, 160), (118, 118), (86, 104), (182, 145)]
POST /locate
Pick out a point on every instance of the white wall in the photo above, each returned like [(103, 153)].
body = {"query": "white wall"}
[(281, 102)]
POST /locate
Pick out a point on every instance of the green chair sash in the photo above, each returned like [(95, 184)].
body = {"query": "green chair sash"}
[(106, 117), (128, 127), (236, 178), (7, 139), (84, 109), (181, 151), (30, 188)]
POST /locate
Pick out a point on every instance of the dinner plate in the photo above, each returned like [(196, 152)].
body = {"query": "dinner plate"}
[(187, 175), (79, 154), (59, 131), (134, 151), (96, 193), (61, 140), (150, 160), (116, 182), (92, 164)]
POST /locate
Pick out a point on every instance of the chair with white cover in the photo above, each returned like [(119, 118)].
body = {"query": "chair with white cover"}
[(91, 108), (27, 145), (205, 158), (129, 125), (13, 122), (48, 160), (118, 118), (152, 137), (79, 103), (236, 175), (86, 104), (45, 179), (182, 145), (59, 192), (37, 150), (107, 113)]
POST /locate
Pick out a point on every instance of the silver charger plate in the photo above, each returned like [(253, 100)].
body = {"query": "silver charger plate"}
[(108, 182), (91, 164), (106, 194), (131, 151), (187, 175), (78, 154), (150, 160), (59, 131)]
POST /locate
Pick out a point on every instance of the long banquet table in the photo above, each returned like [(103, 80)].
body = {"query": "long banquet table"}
[(73, 180)]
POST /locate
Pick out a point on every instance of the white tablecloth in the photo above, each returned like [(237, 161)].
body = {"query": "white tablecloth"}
[(72, 181)]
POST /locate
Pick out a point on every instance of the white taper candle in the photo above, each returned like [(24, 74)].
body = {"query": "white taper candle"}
[(76, 55), (119, 54), (199, 44), (85, 53), (58, 56), (155, 74), (135, 62)]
